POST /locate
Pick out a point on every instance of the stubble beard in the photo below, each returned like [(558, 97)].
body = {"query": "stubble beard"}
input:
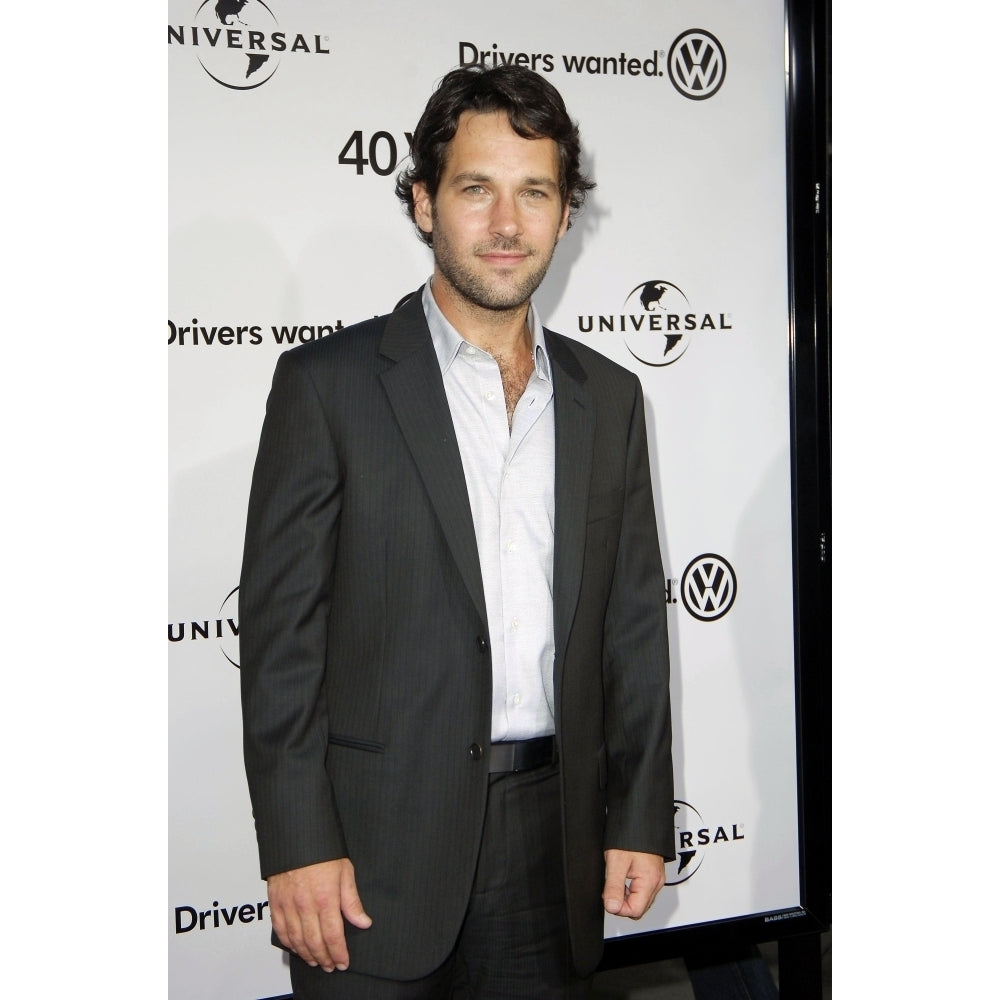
[(499, 292)]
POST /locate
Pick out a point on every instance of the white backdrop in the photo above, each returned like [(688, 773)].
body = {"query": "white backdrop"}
[(283, 225)]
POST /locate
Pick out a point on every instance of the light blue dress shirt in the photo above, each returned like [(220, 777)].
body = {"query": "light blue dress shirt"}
[(509, 472)]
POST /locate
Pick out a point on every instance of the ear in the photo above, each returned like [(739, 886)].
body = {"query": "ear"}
[(564, 225), (422, 207)]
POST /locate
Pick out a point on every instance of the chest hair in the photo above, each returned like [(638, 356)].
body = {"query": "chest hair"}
[(515, 373)]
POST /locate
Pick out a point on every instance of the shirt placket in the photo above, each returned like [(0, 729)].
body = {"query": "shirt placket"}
[(520, 614)]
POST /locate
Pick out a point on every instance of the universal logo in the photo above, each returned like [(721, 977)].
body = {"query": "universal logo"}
[(694, 840), (225, 628), (658, 322), (708, 587), (238, 42), (696, 63)]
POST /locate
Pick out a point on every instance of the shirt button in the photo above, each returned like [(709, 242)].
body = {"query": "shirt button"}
[(491, 395), (516, 623), (475, 751), (469, 349), (511, 546), (516, 700)]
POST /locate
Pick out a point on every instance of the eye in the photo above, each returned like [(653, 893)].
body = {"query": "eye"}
[(536, 193)]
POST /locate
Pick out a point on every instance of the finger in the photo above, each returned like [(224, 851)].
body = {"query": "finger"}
[(325, 939), (646, 882), (298, 934), (638, 899), (304, 915), (280, 925)]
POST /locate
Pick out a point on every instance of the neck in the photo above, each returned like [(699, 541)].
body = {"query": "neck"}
[(501, 332)]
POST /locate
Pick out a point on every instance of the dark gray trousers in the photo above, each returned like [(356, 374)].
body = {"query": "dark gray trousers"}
[(514, 942)]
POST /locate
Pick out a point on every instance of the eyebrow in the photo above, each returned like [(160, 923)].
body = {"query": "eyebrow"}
[(479, 178)]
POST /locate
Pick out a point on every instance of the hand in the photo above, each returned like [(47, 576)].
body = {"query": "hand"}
[(308, 906), (631, 882)]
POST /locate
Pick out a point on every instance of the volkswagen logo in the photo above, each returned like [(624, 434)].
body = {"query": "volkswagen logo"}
[(708, 587), (697, 64)]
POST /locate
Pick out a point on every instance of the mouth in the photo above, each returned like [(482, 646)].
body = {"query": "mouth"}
[(503, 258)]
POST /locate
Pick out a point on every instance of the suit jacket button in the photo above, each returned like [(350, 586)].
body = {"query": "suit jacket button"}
[(481, 644), (475, 751)]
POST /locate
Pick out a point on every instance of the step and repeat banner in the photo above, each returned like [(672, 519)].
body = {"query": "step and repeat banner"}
[(287, 124)]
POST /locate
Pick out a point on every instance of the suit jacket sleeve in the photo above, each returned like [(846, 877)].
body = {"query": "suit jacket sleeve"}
[(636, 670), (288, 557)]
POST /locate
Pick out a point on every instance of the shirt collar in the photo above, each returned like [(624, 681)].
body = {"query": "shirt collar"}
[(448, 341)]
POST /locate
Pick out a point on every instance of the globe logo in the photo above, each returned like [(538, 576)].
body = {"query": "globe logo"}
[(689, 857), (653, 334), (231, 48), (230, 636)]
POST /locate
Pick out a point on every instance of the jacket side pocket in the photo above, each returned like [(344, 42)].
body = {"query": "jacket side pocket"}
[(353, 743)]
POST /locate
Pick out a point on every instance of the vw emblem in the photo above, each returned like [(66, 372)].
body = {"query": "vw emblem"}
[(708, 587), (697, 64)]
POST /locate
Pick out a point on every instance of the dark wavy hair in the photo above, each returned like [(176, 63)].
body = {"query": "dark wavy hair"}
[(534, 108)]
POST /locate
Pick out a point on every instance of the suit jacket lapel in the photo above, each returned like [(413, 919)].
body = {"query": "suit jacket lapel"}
[(416, 394), (574, 424)]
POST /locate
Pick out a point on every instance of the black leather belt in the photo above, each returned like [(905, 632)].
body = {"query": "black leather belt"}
[(522, 755)]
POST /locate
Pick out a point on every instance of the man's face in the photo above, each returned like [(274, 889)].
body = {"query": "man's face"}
[(497, 216)]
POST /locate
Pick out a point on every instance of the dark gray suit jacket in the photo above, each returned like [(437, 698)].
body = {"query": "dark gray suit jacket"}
[(366, 675)]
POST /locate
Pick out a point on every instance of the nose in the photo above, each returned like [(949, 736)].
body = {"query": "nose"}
[(505, 220)]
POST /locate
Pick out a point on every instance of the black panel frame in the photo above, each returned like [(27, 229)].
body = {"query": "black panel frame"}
[(808, 164)]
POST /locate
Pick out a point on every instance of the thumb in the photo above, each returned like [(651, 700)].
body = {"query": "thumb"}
[(350, 902), (615, 872)]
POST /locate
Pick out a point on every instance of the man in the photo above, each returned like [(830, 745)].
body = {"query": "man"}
[(454, 649)]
